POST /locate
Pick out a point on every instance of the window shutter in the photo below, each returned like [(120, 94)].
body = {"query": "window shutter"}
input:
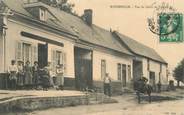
[(64, 61), (61, 58), (53, 60), (34, 53), (18, 54)]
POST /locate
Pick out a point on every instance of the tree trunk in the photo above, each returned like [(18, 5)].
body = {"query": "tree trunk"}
[(178, 83)]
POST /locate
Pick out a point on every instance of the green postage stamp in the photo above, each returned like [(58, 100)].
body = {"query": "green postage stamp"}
[(171, 27)]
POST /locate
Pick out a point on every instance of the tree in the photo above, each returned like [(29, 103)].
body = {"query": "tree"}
[(61, 4), (179, 73)]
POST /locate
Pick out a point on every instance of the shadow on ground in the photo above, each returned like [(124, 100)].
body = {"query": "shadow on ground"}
[(156, 98)]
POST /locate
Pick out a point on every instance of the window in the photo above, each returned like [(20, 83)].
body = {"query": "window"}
[(43, 14), (119, 71), (129, 72), (26, 52), (103, 68), (124, 74), (58, 57)]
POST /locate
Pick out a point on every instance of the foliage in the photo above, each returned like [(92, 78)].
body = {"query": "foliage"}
[(61, 4), (179, 72)]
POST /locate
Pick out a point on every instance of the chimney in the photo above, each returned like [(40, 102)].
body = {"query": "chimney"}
[(88, 16)]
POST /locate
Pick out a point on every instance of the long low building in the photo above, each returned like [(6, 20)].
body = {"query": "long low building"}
[(33, 31)]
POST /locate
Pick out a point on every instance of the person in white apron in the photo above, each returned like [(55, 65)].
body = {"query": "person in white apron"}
[(12, 70), (60, 77), (107, 85)]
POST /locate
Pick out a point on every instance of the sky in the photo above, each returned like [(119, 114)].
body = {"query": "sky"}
[(133, 22)]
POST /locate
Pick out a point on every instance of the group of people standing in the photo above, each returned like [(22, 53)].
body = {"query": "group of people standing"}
[(33, 77)]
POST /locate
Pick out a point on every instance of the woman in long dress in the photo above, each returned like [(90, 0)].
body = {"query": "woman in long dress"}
[(20, 74), (45, 78), (28, 75), (36, 76), (60, 77), (51, 74)]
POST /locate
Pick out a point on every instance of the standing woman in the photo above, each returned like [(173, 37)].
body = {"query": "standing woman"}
[(36, 76), (12, 70), (51, 74), (45, 78), (28, 75), (60, 77), (20, 74)]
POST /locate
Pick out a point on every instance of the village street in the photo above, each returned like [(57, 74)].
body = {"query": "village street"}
[(127, 106)]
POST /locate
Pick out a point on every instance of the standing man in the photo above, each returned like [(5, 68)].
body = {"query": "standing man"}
[(12, 70), (107, 85), (159, 86)]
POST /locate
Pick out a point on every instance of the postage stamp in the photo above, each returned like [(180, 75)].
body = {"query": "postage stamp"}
[(167, 23), (171, 27)]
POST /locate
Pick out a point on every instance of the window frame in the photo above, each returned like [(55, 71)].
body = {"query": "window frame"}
[(103, 65), (119, 78), (33, 51), (54, 61), (42, 14)]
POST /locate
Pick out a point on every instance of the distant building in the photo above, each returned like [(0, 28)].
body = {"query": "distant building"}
[(37, 32)]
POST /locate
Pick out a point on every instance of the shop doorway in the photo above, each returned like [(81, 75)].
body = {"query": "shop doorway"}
[(42, 55), (83, 68)]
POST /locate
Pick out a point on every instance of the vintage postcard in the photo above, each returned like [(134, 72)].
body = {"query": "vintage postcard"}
[(91, 57)]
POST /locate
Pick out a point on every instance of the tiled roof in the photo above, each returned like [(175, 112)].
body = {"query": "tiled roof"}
[(92, 34), (140, 49), (75, 25)]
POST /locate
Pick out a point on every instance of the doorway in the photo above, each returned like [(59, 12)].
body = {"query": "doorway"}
[(83, 68), (137, 70), (42, 55), (152, 80), (123, 75)]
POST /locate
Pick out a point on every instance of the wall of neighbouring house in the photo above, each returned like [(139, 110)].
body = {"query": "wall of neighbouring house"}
[(155, 67), (111, 68), (13, 35)]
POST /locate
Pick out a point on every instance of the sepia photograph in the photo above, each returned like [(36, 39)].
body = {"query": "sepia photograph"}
[(91, 57)]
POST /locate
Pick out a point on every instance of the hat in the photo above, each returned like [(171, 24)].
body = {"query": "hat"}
[(35, 62)]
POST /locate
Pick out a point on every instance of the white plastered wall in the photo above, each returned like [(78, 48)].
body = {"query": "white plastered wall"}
[(13, 35), (111, 65)]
